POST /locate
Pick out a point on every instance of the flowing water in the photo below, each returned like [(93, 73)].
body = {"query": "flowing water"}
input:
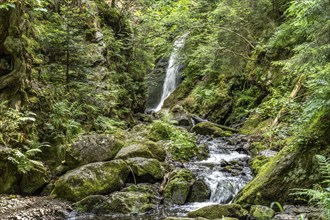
[(171, 78), (225, 171)]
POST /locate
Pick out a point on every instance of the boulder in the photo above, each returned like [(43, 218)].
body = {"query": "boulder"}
[(219, 211), (209, 128), (34, 180), (135, 150), (94, 178), (178, 187), (157, 149), (260, 212), (146, 169), (9, 176), (200, 192), (93, 148), (133, 199)]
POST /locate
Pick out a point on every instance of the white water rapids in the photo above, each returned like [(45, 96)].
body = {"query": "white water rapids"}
[(171, 82)]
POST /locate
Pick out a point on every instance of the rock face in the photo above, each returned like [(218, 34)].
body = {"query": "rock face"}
[(146, 169), (93, 148), (94, 178), (260, 212), (9, 177), (218, 211), (135, 150), (178, 187), (133, 199), (209, 128)]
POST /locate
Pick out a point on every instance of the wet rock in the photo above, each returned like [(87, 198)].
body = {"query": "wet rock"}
[(146, 169), (209, 128), (200, 192), (135, 150), (94, 178), (219, 210), (178, 187), (259, 212), (89, 203), (93, 148), (9, 176)]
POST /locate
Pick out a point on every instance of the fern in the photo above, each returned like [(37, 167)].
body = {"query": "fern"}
[(319, 196)]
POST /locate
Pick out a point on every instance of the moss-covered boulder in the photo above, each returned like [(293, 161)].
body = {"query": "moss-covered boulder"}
[(9, 176), (219, 211), (93, 148), (257, 163), (178, 187), (260, 212), (294, 166), (94, 178), (34, 180), (198, 218), (146, 169), (134, 150), (209, 128), (133, 199), (199, 192), (157, 149)]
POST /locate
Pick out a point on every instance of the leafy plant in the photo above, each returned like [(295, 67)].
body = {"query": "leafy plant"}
[(320, 195)]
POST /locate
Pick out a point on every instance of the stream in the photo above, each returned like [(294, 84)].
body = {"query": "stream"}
[(225, 171)]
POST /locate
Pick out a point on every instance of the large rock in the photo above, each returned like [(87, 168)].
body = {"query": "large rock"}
[(146, 169), (135, 150), (133, 199), (34, 180), (200, 192), (219, 211), (209, 128), (9, 176), (178, 187), (93, 148), (157, 149), (260, 212), (293, 167), (94, 178)]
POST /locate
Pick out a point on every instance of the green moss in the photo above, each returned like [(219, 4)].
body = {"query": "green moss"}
[(178, 187), (218, 211), (257, 163), (209, 128), (94, 178), (259, 212)]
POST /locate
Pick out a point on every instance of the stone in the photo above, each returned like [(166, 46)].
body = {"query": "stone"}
[(94, 178), (157, 149), (200, 192), (178, 187), (34, 180), (146, 169), (135, 150), (260, 212), (133, 199), (209, 128), (9, 176), (219, 211), (93, 148)]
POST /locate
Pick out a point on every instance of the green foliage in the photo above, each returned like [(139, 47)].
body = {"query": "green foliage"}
[(182, 143), (320, 195)]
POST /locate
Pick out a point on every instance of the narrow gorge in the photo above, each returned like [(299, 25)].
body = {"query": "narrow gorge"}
[(164, 109)]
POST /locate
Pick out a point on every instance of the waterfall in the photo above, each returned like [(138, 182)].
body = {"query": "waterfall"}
[(170, 82)]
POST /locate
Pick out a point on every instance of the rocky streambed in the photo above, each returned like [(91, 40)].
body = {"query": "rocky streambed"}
[(105, 177)]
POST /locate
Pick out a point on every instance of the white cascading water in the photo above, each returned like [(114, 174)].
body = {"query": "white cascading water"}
[(170, 82)]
